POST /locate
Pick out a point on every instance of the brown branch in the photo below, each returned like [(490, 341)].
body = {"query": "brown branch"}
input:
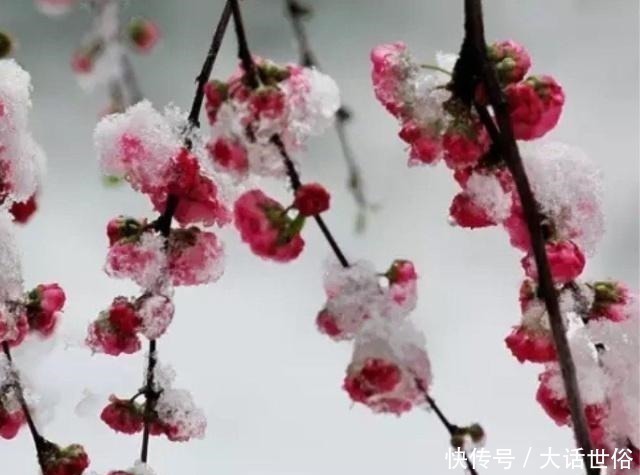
[(294, 178), (163, 223), (41, 444), (478, 69), (296, 12)]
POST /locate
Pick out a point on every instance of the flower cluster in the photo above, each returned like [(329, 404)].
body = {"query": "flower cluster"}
[(147, 149), (174, 414), (36, 311), (269, 229), (598, 315), (390, 370), (290, 102), (21, 158)]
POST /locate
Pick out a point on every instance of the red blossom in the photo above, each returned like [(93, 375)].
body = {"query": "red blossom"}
[(311, 199), (123, 415)]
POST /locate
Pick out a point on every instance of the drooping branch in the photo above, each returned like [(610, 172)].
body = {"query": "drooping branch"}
[(39, 441), (475, 68), (297, 13), (244, 54), (163, 222)]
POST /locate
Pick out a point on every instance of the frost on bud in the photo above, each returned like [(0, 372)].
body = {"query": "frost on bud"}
[(402, 290), (566, 262), (390, 370), (312, 199), (11, 415), (290, 102), (511, 60), (535, 106), (195, 257), (21, 158), (142, 260), (144, 34), (71, 460), (114, 332), (265, 225), (179, 416), (568, 187), (390, 68), (356, 294), (155, 313)]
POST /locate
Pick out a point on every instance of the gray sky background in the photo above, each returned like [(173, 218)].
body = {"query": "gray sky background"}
[(247, 346)]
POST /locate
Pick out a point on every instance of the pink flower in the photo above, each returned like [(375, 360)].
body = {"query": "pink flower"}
[(312, 199), (464, 145), (328, 324), (199, 200), (466, 213), (144, 34), (114, 332), (13, 328), (375, 376), (511, 60), (566, 262), (390, 370), (155, 313), (71, 460), (123, 415), (516, 227), (403, 284), (426, 147), (43, 306), (215, 93), (533, 346), (387, 74), (10, 422), (556, 406), (611, 301), (22, 211), (535, 106), (268, 103), (195, 257), (142, 260), (229, 155), (264, 224)]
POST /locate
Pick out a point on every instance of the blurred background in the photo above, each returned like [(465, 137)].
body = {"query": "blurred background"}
[(247, 346)]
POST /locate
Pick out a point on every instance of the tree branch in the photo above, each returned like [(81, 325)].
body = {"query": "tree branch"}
[(296, 12), (163, 223), (473, 58), (295, 181), (39, 441)]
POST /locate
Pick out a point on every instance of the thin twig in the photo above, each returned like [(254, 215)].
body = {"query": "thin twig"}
[(473, 60), (296, 13), (163, 222), (39, 441), (296, 182)]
